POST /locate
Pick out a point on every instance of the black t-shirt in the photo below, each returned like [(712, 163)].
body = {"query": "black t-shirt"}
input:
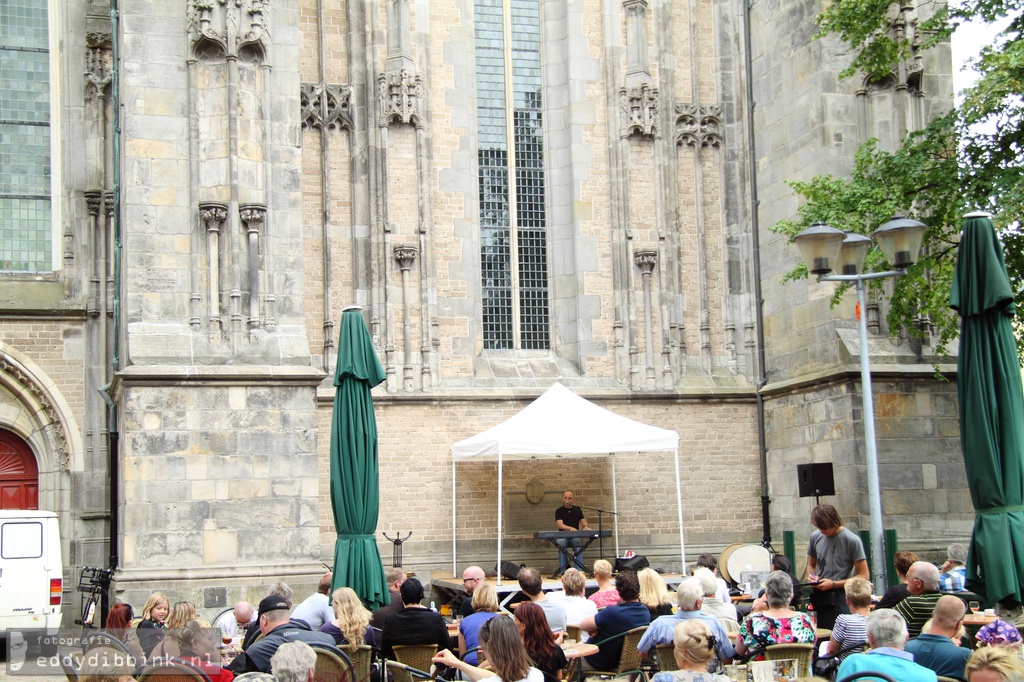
[(570, 516)]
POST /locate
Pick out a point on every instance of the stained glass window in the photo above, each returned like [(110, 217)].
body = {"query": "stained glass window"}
[(25, 231), (513, 220)]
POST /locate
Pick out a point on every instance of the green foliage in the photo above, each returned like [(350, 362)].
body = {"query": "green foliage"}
[(968, 160)]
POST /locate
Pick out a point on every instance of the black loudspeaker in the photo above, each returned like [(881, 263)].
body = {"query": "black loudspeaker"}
[(633, 563), (815, 480), (509, 569)]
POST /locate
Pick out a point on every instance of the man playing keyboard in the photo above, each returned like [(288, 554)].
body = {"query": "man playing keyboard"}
[(570, 517)]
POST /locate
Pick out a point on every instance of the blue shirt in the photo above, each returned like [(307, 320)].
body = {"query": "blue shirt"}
[(612, 621), (470, 629), (663, 630), (940, 654), (895, 663), (955, 580)]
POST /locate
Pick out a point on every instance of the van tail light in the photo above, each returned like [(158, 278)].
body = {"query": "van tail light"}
[(56, 584)]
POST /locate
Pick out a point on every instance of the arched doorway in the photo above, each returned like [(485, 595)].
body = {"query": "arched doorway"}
[(19, 474)]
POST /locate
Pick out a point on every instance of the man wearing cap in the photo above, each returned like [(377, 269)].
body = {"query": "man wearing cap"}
[(277, 629), (954, 571)]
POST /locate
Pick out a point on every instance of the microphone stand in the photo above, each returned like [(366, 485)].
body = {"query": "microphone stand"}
[(600, 526)]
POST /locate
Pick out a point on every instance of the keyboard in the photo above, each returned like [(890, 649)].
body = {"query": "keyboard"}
[(569, 534)]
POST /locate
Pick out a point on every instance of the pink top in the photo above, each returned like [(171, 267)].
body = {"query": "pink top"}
[(605, 598)]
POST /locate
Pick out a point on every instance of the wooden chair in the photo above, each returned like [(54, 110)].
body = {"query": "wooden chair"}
[(362, 662), (629, 660), (401, 671), (172, 670), (802, 653), (67, 664), (572, 632), (416, 656), (332, 664), (666, 654)]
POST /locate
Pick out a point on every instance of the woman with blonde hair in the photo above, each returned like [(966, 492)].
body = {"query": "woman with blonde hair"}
[(994, 664), (485, 607), (182, 613), (198, 645), (351, 624), (694, 648), (606, 594), (654, 593), (152, 628)]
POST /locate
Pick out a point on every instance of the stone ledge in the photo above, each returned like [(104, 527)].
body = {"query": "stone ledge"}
[(217, 375), (126, 578)]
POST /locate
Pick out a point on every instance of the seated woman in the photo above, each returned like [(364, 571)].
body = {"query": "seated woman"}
[(898, 592), (505, 654), (654, 593), (152, 629), (414, 624), (573, 598), (351, 624), (777, 624), (694, 648), (606, 594), (538, 639), (485, 607), (197, 642), (182, 613), (119, 624), (994, 664), (852, 628)]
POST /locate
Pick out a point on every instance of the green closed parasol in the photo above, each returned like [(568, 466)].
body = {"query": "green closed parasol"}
[(355, 479), (991, 413)]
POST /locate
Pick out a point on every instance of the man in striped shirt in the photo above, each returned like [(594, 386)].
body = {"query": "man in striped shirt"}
[(923, 584)]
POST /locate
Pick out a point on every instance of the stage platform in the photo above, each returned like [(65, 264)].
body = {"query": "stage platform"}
[(450, 587)]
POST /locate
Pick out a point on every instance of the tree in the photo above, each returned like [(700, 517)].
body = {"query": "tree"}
[(970, 159)]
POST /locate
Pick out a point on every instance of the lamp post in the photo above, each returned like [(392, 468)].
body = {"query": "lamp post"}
[(825, 249)]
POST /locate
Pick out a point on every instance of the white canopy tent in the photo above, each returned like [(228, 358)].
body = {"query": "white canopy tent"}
[(562, 424)]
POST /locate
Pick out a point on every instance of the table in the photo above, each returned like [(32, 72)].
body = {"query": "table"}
[(578, 650)]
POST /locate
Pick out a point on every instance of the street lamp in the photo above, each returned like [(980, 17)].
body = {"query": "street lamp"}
[(826, 249)]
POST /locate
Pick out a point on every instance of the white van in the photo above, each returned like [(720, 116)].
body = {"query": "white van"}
[(31, 571)]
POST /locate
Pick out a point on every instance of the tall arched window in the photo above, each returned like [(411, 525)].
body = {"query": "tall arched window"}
[(26, 243), (513, 221)]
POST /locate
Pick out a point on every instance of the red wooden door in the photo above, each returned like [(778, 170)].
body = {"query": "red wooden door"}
[(19, 474)]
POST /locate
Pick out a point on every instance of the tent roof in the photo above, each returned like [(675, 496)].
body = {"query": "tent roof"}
[(562, 423)]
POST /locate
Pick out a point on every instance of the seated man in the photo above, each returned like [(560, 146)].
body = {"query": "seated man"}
[(294, 662), (570, 517), (629, 613), (923, 584), (394, 578), (472, 578), (954, 571), (887, 635), (530, 583), (414, 624), (936, 647), (316, 609), (278, 589), (690, 599), (277, 629)]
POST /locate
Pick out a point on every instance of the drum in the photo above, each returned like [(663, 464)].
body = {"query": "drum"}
[(723, 561), (748, 559)]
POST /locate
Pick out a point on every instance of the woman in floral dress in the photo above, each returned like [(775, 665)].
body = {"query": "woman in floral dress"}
[(777, 624)]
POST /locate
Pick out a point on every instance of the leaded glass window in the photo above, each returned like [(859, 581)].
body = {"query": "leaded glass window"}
[(513, 221), (25, 230)]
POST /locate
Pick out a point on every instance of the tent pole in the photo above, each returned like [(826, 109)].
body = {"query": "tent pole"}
[(679, 505), (615, 509), (501, 483), (455, 570)]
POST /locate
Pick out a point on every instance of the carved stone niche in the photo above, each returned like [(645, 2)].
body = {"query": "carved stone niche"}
[(638, 111), (400, 98), (326, 106)]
